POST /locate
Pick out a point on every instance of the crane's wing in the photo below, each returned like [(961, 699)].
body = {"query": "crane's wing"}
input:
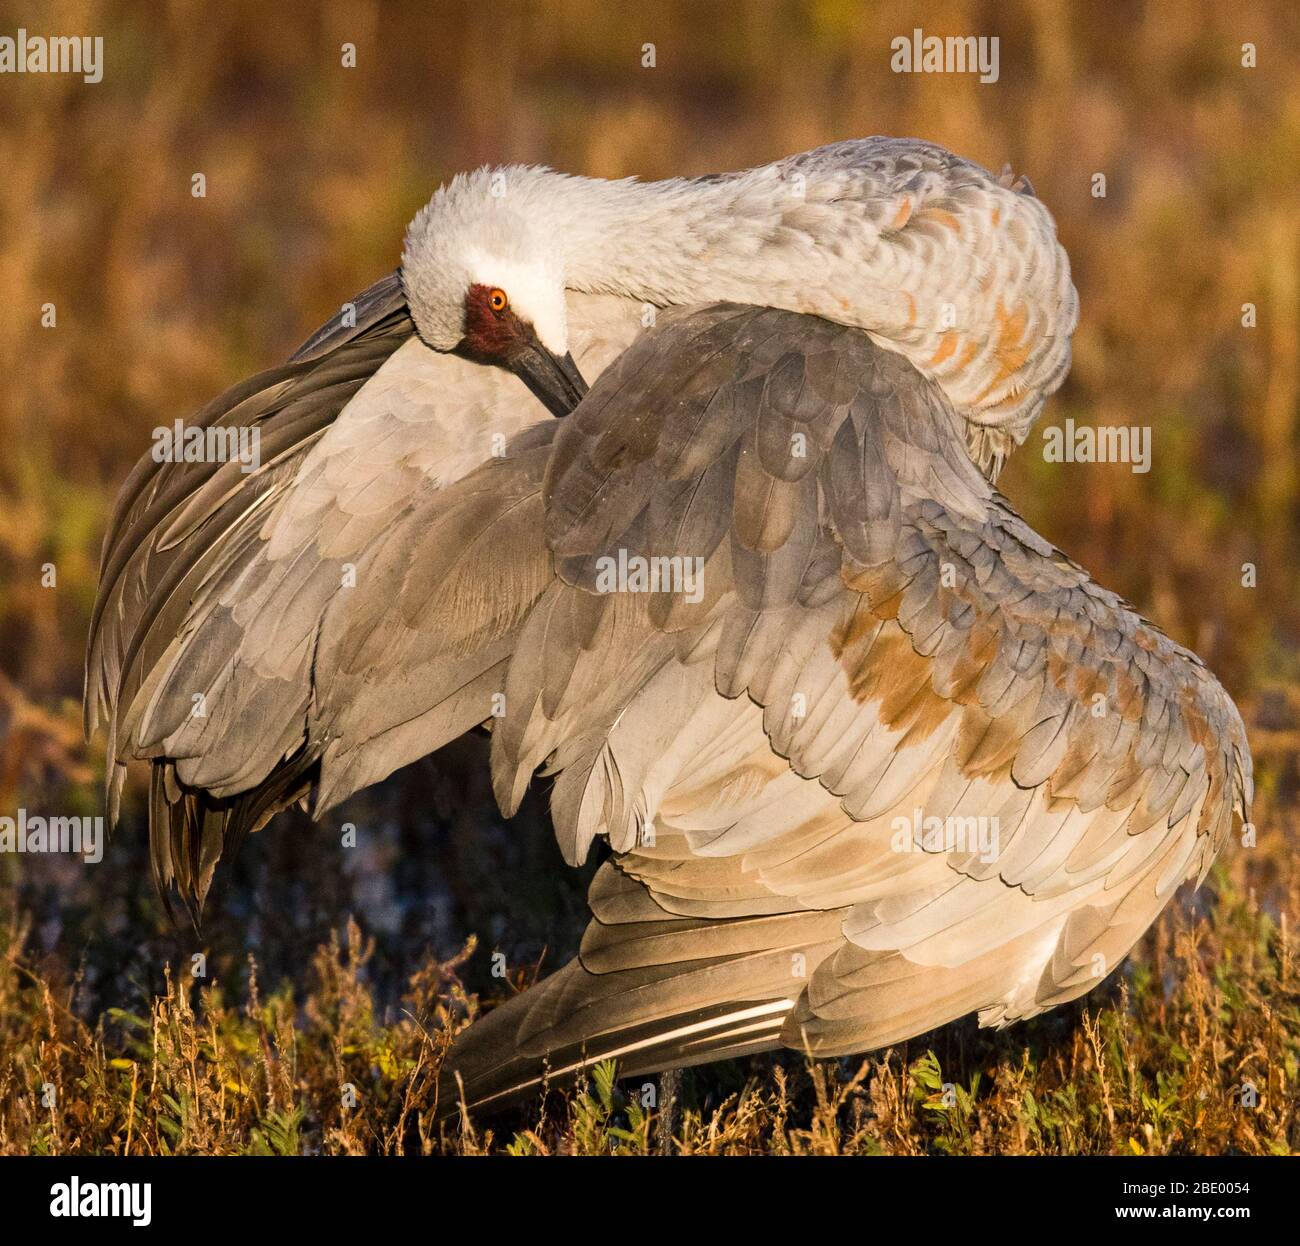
[(313, 625), (890, 760), (173, 518)]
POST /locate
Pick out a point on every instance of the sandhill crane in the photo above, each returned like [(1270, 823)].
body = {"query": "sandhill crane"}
[(786, 756)]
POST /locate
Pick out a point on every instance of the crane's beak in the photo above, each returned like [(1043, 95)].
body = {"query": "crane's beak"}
[(557, 382)]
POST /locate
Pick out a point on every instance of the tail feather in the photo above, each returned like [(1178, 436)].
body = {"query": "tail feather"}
[(190, 831), (487, 1070), (698, 1007)]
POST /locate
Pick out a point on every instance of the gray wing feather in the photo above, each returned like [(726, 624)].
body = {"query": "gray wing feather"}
[(345, 609), (178, 529), (945, 656)]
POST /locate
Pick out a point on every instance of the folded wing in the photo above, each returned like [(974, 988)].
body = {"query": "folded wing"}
[(305, 629), (891, 759)]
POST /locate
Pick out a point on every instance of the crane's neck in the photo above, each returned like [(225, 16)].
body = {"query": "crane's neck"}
[(677, 242), (968, 283)]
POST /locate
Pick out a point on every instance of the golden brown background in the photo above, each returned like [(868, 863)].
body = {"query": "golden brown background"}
[(313, 170)]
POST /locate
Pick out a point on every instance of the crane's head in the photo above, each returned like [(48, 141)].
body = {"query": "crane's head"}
[(484, 279)]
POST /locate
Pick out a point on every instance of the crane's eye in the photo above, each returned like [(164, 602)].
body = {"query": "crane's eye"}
[(497, 301)]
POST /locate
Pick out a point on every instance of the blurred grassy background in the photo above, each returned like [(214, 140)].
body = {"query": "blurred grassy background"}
[(312, 172)]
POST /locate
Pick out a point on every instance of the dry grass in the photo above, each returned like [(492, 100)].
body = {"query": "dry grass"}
[(1196, 1050)]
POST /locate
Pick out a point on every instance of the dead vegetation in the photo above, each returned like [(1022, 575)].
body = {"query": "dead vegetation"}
[(1195, 1049)]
